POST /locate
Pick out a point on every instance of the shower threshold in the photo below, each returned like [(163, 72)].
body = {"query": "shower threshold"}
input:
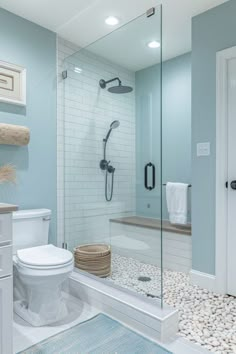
[(142, 313)]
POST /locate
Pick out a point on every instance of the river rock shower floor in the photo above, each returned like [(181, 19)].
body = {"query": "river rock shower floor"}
[(206, 318)]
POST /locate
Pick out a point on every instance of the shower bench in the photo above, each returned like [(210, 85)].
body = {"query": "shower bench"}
[(139, 237)]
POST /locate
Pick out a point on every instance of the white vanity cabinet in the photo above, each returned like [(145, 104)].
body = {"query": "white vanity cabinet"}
[(6, 279), (6, 315)]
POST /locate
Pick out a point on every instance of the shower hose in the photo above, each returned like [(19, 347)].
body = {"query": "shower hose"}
[(108, 199)]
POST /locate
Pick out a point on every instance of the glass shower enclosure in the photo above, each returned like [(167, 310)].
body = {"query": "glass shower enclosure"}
[(112, 156)]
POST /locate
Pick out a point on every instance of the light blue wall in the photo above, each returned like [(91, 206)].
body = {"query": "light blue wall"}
[(33, 47), (212, 31), (176, 128), (176, 123)]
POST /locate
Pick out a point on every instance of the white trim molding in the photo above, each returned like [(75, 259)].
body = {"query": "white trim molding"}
[(218, 282), (221, 223), (203, 280)]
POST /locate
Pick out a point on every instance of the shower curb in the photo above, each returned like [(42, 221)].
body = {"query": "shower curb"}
[(143, 315)]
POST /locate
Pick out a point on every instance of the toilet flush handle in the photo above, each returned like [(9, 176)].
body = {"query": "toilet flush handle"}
[(46, 218)]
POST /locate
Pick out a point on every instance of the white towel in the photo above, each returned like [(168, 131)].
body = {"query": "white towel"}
[(177, 202)]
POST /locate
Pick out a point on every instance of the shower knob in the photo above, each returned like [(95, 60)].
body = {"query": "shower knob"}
[(103, 164), (110, 169)]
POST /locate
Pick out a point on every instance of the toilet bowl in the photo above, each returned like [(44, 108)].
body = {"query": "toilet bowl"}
[(39, 272)]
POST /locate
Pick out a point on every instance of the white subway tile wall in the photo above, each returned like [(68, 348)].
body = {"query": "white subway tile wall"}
[(144, 245), (85, 113)]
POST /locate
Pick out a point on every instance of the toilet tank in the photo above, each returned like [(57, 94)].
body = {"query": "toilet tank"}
[(30, 228)]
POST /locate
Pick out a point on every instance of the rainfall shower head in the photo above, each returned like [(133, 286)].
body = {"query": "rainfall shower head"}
[(120, 89), (115, 89), (115, 124)]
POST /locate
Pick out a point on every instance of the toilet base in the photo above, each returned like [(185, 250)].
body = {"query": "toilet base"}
[(38, 299), (42, 307)]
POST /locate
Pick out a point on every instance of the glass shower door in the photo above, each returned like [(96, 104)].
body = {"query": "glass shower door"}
[(112, 156)]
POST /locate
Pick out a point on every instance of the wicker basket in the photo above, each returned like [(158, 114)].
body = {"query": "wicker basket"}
[(94, 259)]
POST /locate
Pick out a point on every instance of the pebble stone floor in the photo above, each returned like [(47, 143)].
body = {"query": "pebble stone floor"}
[(206, 318)]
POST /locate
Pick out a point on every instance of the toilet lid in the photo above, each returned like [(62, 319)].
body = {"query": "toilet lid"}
[(44, 256)]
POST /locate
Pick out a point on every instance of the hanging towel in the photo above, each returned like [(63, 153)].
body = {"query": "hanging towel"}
[(177, 202)]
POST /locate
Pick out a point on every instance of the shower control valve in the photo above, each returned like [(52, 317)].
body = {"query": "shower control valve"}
[(110, 169), (104, 164)]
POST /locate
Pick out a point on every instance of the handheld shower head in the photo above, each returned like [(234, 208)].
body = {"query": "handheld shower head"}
[(115, 124), (105, 165)]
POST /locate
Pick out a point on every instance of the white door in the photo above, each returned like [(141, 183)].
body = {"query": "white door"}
[(231, 234)]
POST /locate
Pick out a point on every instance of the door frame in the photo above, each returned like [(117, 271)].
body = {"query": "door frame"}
[(221, 223)]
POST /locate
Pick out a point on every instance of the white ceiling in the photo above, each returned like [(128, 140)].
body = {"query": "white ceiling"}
[(82, 21), (127, 46)]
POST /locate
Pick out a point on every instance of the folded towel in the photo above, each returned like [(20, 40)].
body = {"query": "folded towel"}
[(177, 202)]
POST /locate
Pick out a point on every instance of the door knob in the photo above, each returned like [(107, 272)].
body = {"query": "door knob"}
[(233, 184)]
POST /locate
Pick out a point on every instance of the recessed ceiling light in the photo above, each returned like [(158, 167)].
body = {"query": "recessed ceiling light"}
[(154, 44), (112, 21), (77, 70)]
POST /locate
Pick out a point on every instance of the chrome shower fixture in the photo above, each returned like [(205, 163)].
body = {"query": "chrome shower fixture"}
[(115, 89)]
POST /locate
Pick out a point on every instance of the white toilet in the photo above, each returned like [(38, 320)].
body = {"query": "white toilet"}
[(39, 269)]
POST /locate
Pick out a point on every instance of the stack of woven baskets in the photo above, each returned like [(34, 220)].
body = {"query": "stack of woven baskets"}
[(94, 259)]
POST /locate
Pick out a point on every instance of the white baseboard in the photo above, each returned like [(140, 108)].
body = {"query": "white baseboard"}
[(203, 280)]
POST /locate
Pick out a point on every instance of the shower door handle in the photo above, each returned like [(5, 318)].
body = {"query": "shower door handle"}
[(146, 176), (153, 176)]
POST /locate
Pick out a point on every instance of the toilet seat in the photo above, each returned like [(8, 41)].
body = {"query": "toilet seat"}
[(44, 257), (43, 261)]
